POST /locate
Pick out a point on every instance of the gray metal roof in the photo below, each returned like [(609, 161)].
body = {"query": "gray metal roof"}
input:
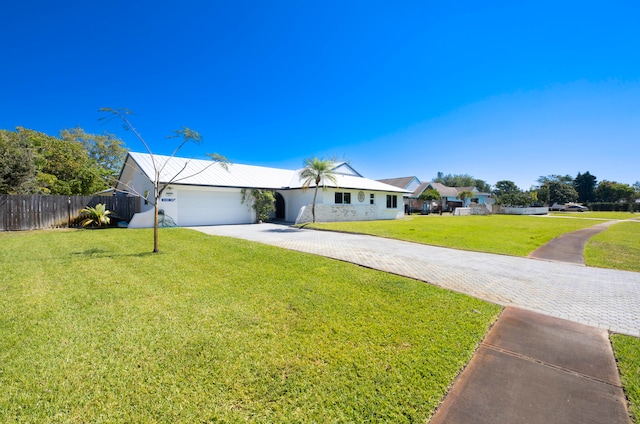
[(208, 173)]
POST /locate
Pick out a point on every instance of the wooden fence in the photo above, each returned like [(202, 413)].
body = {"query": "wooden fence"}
[(35, 212)]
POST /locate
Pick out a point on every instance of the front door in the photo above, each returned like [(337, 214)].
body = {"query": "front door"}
[(280, 207)]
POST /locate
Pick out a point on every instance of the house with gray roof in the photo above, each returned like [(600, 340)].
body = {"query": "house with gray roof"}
[(448, 201), (202, 192)]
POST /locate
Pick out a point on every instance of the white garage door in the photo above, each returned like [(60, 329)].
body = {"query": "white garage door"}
[(211, 208)]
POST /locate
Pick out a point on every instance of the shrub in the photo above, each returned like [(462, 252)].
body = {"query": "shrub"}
[(614, 207), (95, 217)]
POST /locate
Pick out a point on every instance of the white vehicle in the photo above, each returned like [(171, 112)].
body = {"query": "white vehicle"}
[(568, 207)]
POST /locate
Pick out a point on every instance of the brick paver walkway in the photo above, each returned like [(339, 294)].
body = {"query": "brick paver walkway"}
[(597, 297)]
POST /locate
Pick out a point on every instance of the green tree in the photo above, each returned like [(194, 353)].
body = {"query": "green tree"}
[(261, 200), (464, 195), (505, 187), (516, 199), (34, 162), (462, 180), (585, 185), (187, 135), (566, 179), (429, 195), (105, 150), (17, 164), (316, 171), (560, 192), (612, 191), (66, 168)]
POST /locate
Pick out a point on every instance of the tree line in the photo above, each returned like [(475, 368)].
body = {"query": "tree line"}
[(561, 189), (72, 163)]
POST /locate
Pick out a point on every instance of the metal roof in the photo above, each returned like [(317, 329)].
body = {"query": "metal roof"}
[(208, 173)]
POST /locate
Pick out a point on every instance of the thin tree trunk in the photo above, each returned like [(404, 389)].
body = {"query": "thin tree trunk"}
[(313, 205), (155, 218)]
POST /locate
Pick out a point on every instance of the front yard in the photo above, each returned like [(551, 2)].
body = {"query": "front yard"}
[(93, 328)]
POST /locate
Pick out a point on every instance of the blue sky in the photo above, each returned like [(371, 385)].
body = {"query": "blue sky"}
[(498, 90)]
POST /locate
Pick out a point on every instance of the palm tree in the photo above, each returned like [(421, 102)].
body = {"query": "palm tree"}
[(316, 171)]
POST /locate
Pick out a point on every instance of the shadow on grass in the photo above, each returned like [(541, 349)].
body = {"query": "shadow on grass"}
[(104, 253)]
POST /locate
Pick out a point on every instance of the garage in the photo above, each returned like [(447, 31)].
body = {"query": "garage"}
[(211, 207)]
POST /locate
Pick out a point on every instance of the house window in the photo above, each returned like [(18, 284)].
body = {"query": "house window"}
[(392, 201), (343, 198), (372, 199)]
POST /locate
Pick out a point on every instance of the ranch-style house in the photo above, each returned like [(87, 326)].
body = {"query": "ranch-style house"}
[(202, 192)]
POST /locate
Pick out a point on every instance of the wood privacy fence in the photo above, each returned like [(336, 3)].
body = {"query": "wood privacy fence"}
[(35, 212)]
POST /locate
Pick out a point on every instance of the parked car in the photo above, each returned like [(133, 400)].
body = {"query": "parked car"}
[(575, 208), (568, 207)]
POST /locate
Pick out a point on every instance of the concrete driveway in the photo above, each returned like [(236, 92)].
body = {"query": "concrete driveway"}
[(602, 298)]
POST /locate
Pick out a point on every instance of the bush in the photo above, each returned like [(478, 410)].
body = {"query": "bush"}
[(614, 207), (95, 217)]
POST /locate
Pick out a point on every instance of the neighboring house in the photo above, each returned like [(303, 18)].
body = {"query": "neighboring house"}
[(212, 195), (450, 200), (413, 187), (448, 195)]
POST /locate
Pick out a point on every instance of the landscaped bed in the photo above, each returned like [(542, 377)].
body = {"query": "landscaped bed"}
[(94, 328)]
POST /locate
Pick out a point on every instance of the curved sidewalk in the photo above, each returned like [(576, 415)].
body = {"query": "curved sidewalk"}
[(569, 247), (602, 298)]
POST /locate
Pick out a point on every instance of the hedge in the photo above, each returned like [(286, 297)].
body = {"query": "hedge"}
[(614, 207)]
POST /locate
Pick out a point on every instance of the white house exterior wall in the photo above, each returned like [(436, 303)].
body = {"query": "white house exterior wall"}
[(294, 200), (357, 210)]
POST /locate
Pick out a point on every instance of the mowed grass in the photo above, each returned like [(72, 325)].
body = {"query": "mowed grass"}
[(503, 234), (626, 349), (598, 215), (94, 328), (618, 247)]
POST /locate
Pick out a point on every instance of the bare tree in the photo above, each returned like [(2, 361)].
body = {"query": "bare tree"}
[(187, 135)]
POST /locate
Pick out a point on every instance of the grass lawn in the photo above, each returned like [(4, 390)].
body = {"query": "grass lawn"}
[(626, 349), (618, 247), (504, 234), (94, 328), (598, 215)]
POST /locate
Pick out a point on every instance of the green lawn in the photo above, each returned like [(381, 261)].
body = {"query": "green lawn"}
[(504, 234), (94, 328), (598, 215), (626, 349), (618, 247)]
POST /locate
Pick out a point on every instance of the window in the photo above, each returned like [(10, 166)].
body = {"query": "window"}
[(372, 199), (343, 198), (392, 201)]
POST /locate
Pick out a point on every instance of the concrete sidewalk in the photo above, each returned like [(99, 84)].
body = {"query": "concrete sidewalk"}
[(569, 247), (537, 369)]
